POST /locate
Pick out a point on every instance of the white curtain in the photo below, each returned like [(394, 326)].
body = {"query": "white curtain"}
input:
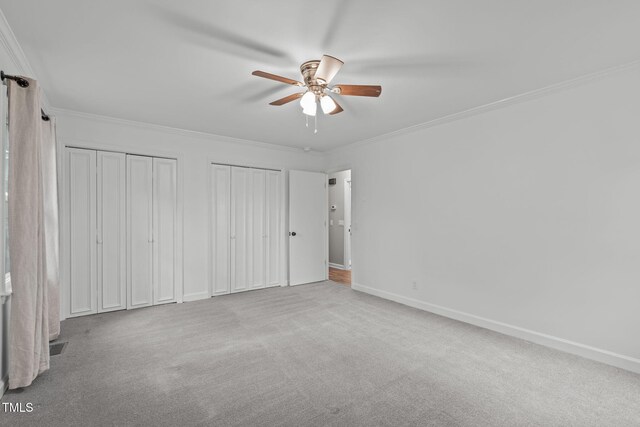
[(50, 208), (33, 236)]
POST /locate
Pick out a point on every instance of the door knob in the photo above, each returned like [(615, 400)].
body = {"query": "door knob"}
[(293, 233)]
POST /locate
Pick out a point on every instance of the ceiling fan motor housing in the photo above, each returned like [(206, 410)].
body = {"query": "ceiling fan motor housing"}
[(308, 70)]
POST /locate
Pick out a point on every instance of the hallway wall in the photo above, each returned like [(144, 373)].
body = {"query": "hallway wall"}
[(336, 231)]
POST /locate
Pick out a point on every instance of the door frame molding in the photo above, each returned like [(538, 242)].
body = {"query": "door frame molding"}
[(346, 260), (345, 167), (63, 173)]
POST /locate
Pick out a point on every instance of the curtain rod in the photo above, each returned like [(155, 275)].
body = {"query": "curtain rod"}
[(22, 83)]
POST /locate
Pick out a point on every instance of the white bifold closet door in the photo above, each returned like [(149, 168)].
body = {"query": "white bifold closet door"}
[(257, 233), (273, 227), (220, 180), (164, 230), (151, 225), (140, 231), (81, 167), (111, 231), (246, 228), (122, 223), (97, 252)]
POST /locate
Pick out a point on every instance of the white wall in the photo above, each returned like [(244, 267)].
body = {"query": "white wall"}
[(523, 219), (194, 152)]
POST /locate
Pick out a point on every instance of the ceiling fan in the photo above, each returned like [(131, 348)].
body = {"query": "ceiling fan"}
[(317, 75)]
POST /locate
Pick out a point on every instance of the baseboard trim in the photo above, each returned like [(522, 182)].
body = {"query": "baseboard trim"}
[(195, 296), (337, 266), (586, 351)]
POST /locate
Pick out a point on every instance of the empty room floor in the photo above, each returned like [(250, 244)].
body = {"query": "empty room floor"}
[(315, 354)]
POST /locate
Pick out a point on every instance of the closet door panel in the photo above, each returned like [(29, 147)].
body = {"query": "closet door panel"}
[(220, 227), (258, 234), (241, 233), (82, 228), (164, 230), (139, 231), (111, 249), (273, 227)]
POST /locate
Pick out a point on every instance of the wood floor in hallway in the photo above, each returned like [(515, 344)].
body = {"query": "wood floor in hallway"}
[(340, 276)]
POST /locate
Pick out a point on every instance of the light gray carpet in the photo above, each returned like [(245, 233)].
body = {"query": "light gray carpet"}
[(316, 355)]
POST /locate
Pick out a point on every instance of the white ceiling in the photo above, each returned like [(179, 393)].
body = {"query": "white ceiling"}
[(188, 64)]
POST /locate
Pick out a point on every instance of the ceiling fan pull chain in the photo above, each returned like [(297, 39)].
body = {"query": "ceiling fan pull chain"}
[(306, 119), (315, 124)]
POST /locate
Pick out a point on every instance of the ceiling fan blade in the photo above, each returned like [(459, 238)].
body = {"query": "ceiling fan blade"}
[(337, 110), (328, 68), (277, 78), (287, 99), (358, 90)]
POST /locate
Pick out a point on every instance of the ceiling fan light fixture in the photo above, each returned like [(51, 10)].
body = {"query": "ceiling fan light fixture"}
[(327, 69), (316, 75), (310, 110), (328, 104), (307, 100)]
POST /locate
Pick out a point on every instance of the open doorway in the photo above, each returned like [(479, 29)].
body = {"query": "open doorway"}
[(340, 227)]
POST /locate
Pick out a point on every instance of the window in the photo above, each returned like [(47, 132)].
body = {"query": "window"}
[(5, 262)]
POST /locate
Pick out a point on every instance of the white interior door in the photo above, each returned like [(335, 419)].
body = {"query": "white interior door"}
[(164, 230), (111, 249), (220, 227), (139, 231), (273, 227), (82, 231), (307, 227)]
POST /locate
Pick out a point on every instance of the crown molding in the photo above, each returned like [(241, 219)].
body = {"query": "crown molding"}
[(12, 47), (21, 64), (181, 132), (516, 99)]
